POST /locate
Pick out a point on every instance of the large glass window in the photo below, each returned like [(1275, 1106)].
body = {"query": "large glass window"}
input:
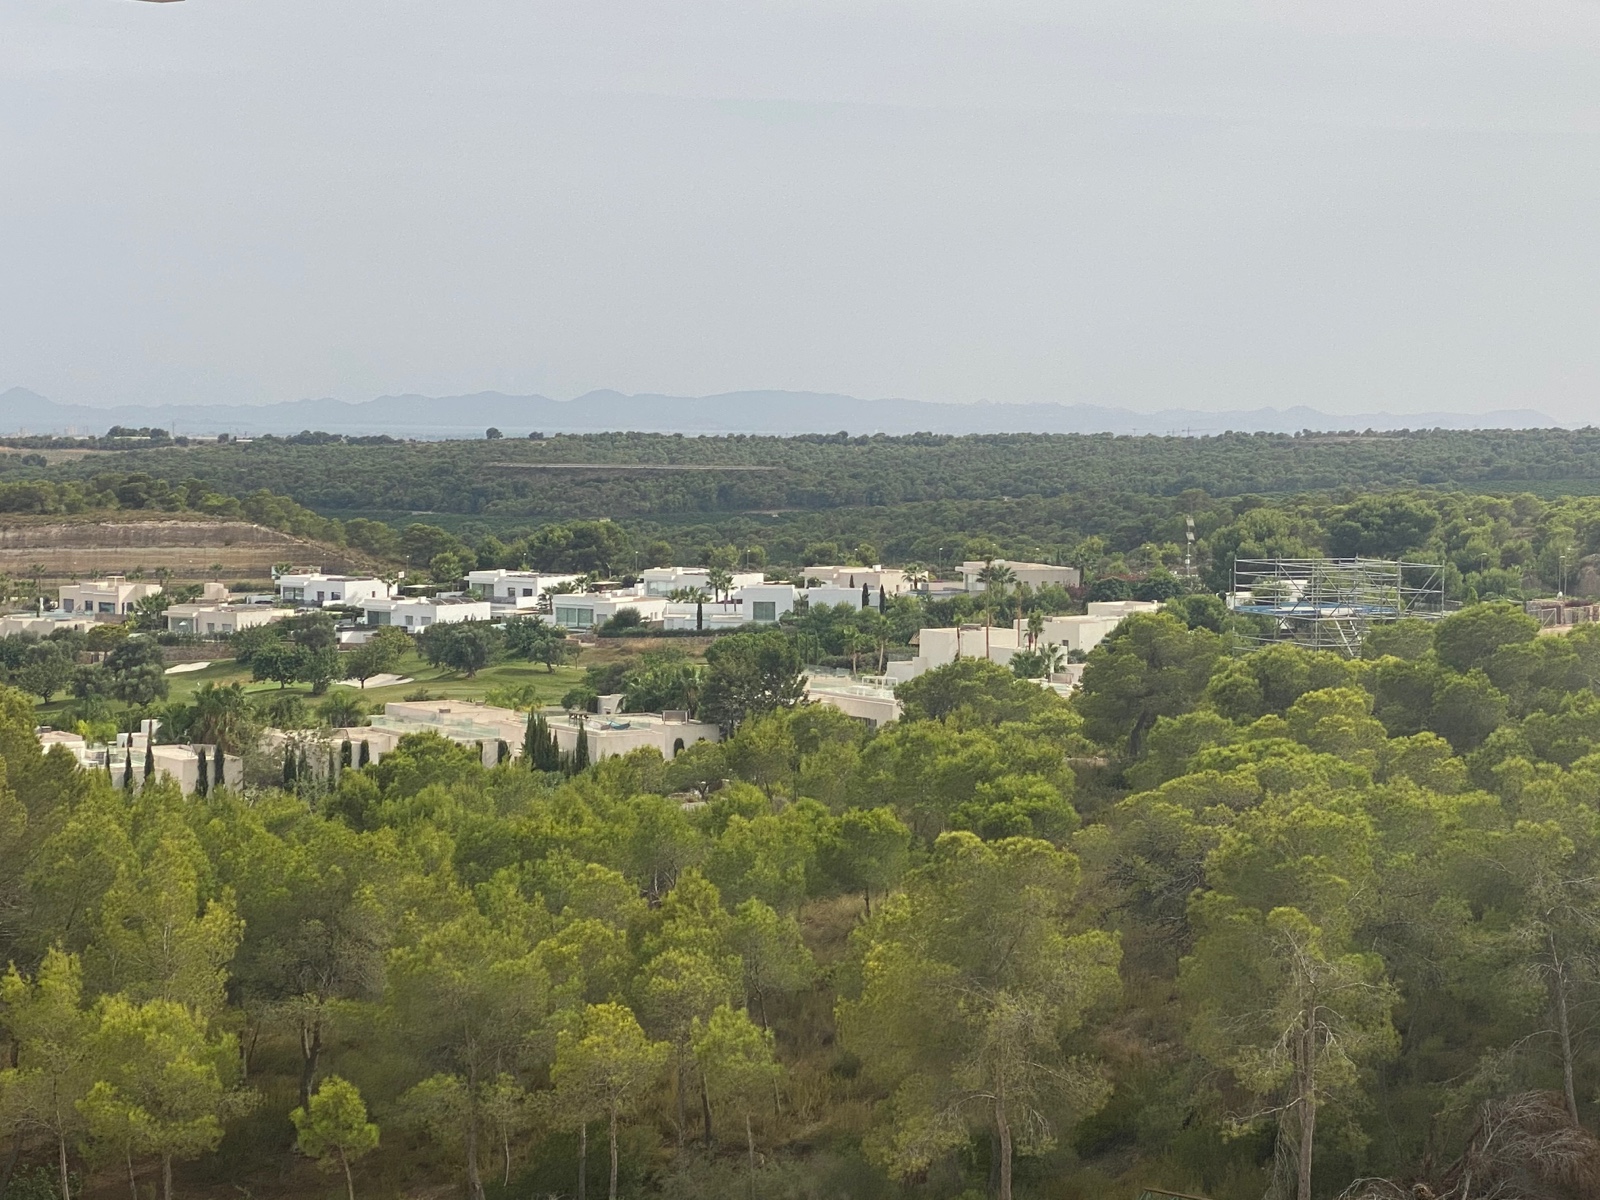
[(764, 610), (577, 618)]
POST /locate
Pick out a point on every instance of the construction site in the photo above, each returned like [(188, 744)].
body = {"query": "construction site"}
[(1331, 603)]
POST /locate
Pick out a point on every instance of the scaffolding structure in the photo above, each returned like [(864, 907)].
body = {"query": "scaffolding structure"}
[(1331, 603)]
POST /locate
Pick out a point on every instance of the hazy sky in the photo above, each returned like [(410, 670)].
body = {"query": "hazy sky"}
[(1349, 204)]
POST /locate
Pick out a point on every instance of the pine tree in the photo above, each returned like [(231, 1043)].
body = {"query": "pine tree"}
[(202, 786)]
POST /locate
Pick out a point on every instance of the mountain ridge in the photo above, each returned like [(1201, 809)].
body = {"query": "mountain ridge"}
[(775, 413)]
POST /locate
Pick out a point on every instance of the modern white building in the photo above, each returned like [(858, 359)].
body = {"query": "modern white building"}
[(870, 699), (314, 589), (833, 596), (515, 589), (585, 610), (220, 620), (759, 604), (1035, 575), (113, 596), (1084, 633), (177, 762), (485, 726), (416, 613), (42, 625), (892, 581), (622, 733), (662, 581)]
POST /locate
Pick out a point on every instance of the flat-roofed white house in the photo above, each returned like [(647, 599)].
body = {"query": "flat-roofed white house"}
[(483, 725), (1084, 633), (42, 625), (1035, 575), (113, 596), (220, 620), (585, 610), (834, 596), (177, 762), (759, 604), (662, 581), (314, 589), (515, 589), (891, 580), (419, 612), (871, 701)]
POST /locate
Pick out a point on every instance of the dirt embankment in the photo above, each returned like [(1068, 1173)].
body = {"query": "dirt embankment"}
[(191, 547)]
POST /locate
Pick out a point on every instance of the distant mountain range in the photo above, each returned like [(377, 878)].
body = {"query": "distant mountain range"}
[(22, 411)]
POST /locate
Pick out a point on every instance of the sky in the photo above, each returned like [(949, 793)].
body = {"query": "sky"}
[(1361, 206)]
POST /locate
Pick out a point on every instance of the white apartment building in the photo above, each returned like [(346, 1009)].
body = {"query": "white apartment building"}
[(585, 610), (417, 613), (1035, 575), (662, 581), (113, 596), (314, 589), (515, 589), (220, 620)]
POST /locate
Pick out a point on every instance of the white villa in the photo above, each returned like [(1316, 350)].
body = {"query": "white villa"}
[(585, 610), (1033, 574), (113, 596), (870, 699), (314, 589), (515, 589), (482, 725), (210, 619), (178, 762), (420, 612), (892, 581), (760, 604), (662, 581)]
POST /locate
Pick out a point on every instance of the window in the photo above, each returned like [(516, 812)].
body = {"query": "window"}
[(677, 747), (578, 618), (66, 606), (410, 620), (525, 591), (321, 596), (335, 596), (107, 607), (211, 626), (764, 610)]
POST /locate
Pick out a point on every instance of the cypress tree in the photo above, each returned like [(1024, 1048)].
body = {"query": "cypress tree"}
[(883, 599), (288, 769), (501, 752), (580, 753), (866, 594), (531, 741), (333, 766), (219, 764), (202, 786), (699, 615), (149, 759), (303, 771), (127, 771), (346, 756), (366, 752)]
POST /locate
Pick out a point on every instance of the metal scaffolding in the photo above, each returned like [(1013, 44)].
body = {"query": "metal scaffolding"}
[(1331, 603)]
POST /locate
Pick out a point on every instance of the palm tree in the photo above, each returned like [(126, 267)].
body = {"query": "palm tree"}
[(221, 716), (1053, 658), (720, 581), (996, 577), (1035, 628)]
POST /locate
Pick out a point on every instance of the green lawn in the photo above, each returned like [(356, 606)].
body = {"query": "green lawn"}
[(550, 685)]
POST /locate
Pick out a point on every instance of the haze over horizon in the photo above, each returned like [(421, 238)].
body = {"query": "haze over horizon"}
[(1146, 205)]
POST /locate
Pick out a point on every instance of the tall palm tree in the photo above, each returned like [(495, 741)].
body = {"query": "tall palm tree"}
[(720, 581), (1035, 628), (997, 578)]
